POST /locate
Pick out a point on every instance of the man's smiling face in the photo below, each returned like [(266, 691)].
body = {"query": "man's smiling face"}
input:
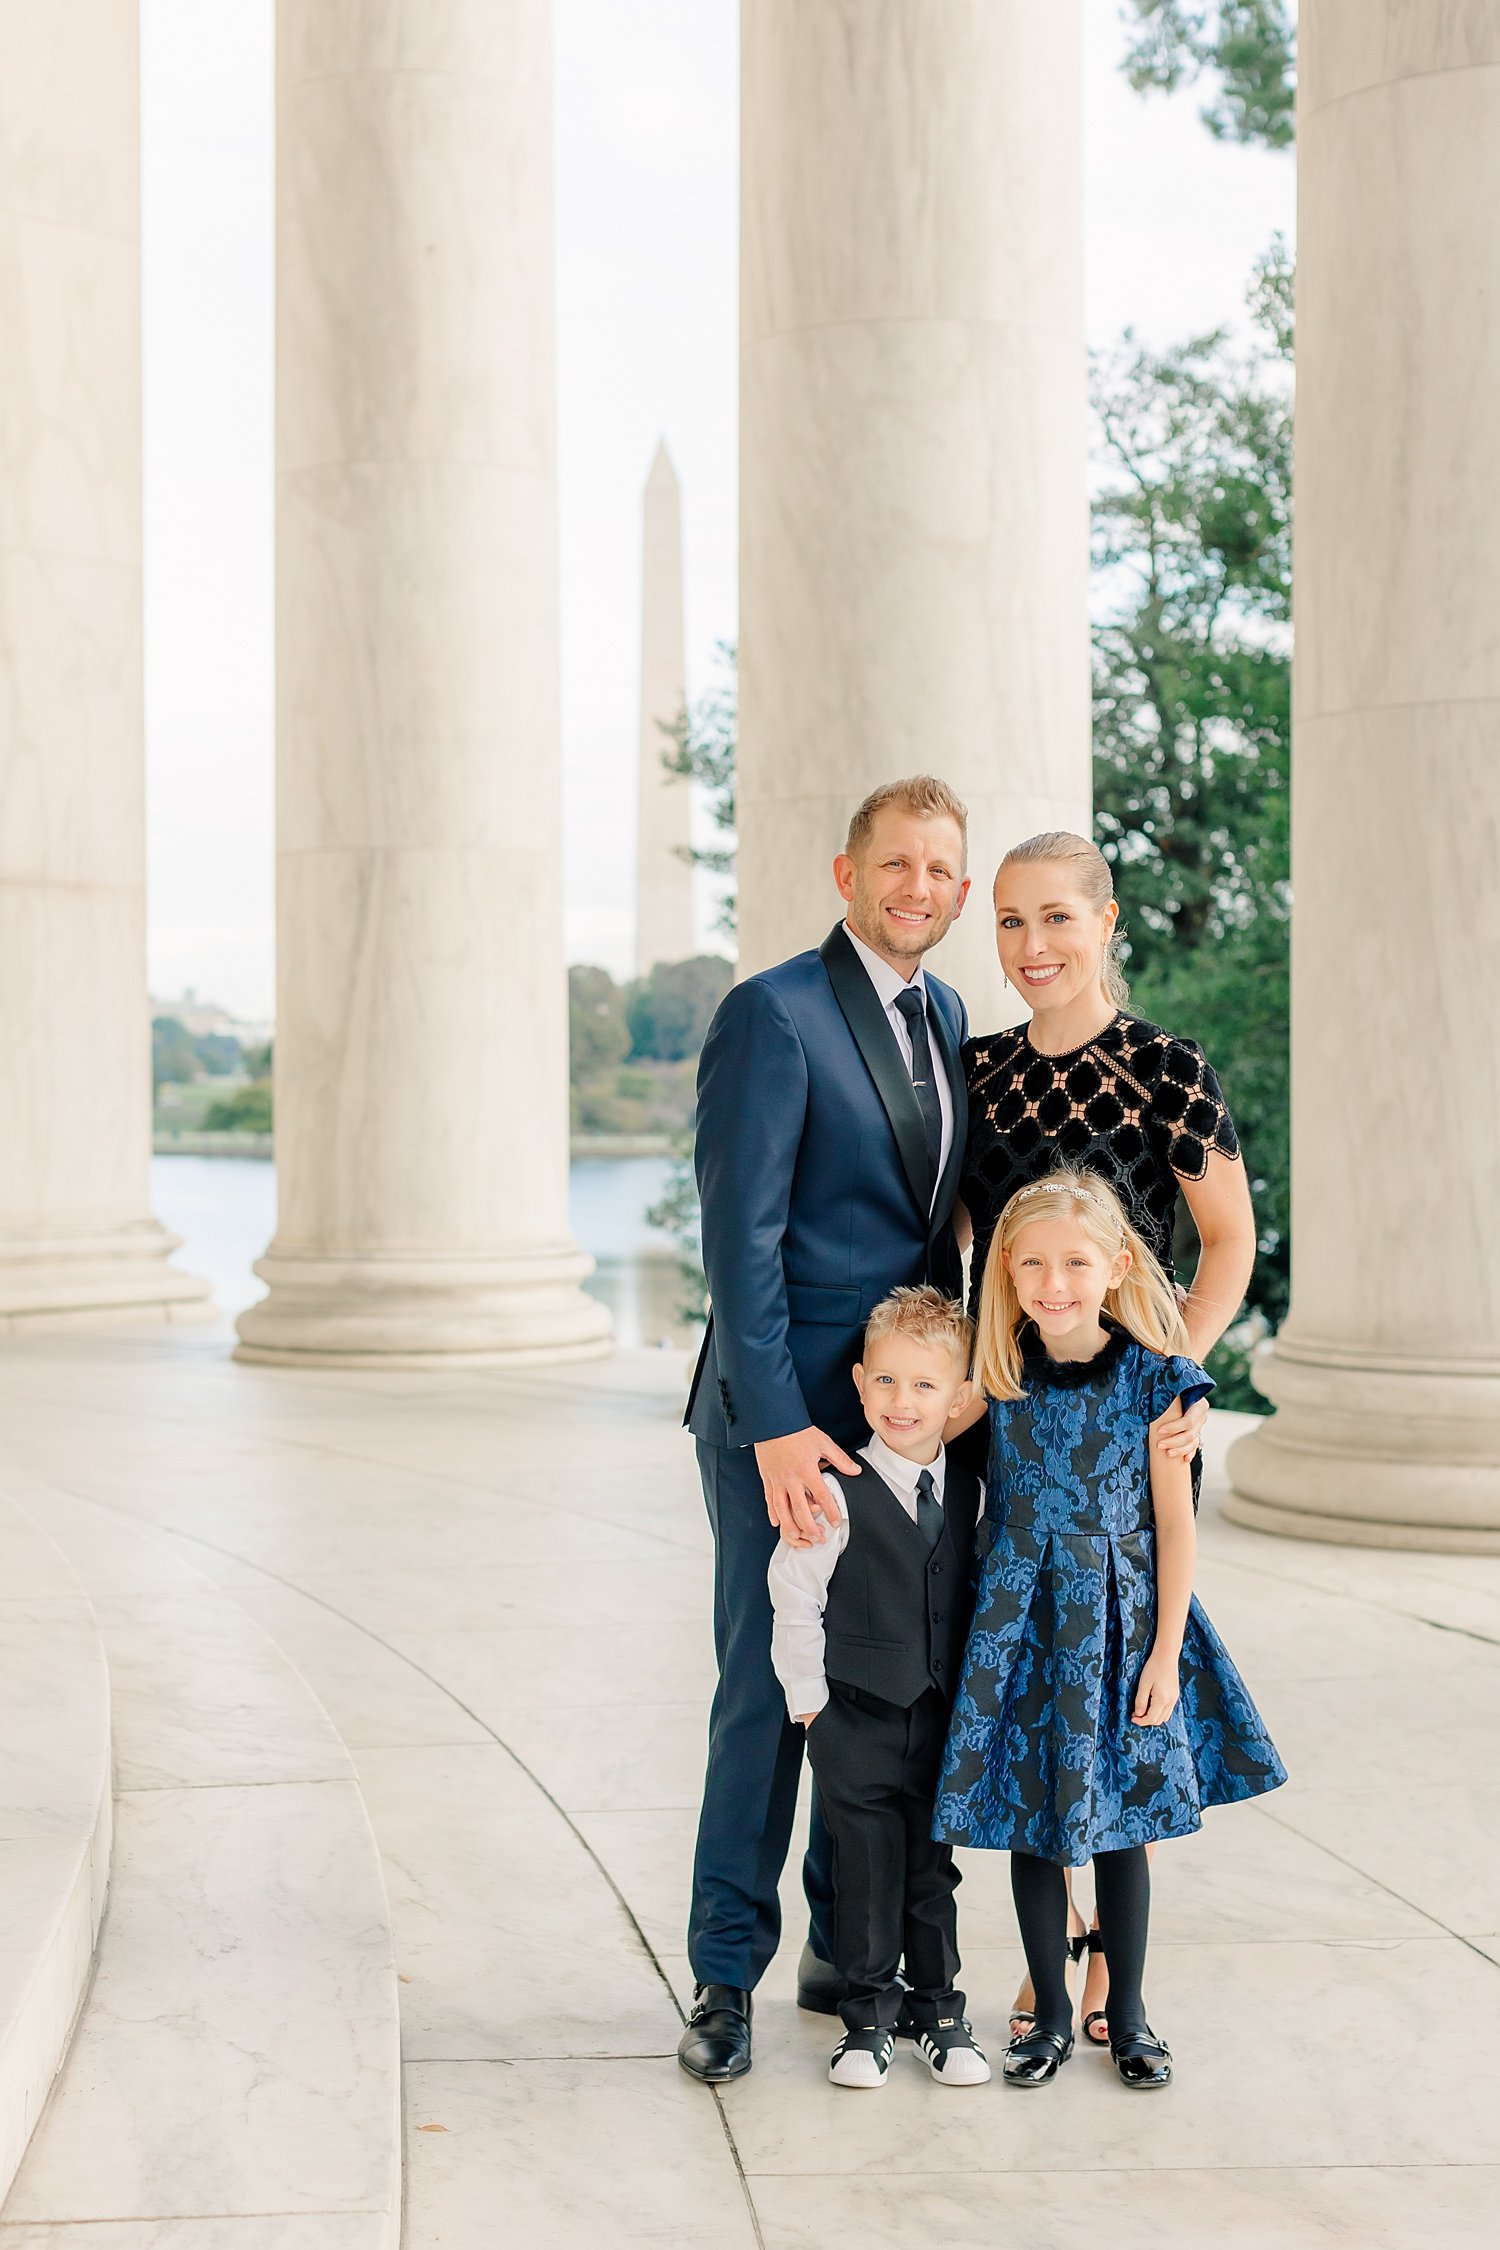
[(907, 886)]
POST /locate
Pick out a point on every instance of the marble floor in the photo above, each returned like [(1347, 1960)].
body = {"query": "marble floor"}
[(497, 1590)]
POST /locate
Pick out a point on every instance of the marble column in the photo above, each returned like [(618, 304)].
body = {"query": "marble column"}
[(1386, 1374), (421, 1048), (664, 878), (914, 531), (77, 1238)]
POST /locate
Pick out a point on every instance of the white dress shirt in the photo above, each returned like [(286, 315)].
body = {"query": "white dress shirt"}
[(888, 983), (798, 1576)]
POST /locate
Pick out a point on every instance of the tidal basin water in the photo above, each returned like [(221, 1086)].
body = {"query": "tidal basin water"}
[(224, 1207)]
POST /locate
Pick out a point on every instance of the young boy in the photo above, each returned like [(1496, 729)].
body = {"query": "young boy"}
[(868, 1637)]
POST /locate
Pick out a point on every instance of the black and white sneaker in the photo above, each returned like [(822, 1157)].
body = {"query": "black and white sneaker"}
[(862, 2058), (951, 2052)]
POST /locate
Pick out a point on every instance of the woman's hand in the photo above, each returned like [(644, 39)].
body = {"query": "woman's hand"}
[(805, 1719), (1157, 1688), (1178, 1433)]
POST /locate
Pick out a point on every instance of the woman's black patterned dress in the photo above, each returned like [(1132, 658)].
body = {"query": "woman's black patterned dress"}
[(1135, 1104)]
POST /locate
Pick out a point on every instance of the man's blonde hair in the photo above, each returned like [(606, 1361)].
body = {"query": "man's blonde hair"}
[(921, 794), (927, 1317)]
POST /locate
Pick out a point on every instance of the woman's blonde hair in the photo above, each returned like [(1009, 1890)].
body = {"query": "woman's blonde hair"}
[(1144, 1302), (1090, 870)]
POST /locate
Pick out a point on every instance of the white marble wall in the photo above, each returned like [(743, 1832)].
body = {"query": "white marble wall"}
[(1386, 1375), (76, 1234), (664, 879), (914, 539), (422, 1124)]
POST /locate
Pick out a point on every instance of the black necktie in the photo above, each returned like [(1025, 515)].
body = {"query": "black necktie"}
[(911, 1007), (929, 1509)]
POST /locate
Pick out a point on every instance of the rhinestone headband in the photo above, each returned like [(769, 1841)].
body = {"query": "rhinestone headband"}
[(1062, 1187)]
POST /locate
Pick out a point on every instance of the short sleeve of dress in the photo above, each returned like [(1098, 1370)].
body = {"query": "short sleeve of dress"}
[(1175, 1377), (1188, 1103)]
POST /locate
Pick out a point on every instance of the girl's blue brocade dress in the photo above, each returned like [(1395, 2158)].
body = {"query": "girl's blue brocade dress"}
[(1042, 1755)]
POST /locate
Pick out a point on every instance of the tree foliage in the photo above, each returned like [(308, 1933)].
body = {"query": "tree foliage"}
[(1247, 49), (598, 1035), (247, 1110), (178, 1056), (1192, 712), (670, 1010), (703, 746)]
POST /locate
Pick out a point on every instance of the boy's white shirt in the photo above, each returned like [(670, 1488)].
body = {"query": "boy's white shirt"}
[(799, 1576)]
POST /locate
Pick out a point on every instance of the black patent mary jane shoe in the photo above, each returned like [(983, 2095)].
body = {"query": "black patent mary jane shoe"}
[(1143, 2061), (1036, 2059), (716, 2044)]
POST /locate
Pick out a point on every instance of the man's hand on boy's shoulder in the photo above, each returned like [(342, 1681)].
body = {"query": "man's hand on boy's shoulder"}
[(791, 1469)]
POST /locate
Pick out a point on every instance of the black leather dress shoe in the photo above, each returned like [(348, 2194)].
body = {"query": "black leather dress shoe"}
[(820, 1987), (1036, 2059), (1143, 2061), (716, 2043)]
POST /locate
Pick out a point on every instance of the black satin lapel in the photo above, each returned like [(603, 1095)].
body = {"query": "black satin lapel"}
[(877, 1043), (952, 1061)]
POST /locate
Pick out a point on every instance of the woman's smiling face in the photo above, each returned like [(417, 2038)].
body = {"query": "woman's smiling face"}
[(1051, 941)]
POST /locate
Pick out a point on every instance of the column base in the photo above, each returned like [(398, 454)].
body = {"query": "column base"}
[(416, 1310), (93, 1280), (1367, 1454)]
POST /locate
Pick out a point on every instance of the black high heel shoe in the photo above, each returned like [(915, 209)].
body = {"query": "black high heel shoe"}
[(1143, 2061), (1091, 1942), (1036, 2059)]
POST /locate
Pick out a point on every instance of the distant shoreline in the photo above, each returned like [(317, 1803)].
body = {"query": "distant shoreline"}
[(262, 1145)]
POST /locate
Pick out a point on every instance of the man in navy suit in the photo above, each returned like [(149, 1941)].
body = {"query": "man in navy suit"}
[(831, 1120)]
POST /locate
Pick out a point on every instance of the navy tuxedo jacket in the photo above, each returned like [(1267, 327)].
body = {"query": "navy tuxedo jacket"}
[(816, 1191)]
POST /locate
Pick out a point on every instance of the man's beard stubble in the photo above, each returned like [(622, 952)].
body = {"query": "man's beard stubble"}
[(865, 921)]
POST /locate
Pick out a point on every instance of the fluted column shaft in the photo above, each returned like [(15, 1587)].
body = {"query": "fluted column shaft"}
[(1386, 1375), (914, 537), (421, 1054), (76, 1234)]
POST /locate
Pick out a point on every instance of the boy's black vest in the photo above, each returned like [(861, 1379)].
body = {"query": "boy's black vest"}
[(898, 1610)]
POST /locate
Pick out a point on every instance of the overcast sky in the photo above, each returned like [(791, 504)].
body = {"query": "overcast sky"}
[(646, 122)]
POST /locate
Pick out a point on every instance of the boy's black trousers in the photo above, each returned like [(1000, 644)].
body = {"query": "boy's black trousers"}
[(877, 1766)]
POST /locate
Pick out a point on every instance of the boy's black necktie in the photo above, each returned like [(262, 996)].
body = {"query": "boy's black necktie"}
[(910, 1005), (929, 1509)]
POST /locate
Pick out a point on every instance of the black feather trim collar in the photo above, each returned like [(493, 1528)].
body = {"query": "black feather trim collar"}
[(1070, 1374)]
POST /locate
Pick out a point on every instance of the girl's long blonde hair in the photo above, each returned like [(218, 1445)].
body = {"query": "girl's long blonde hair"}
[(1144, 1303)]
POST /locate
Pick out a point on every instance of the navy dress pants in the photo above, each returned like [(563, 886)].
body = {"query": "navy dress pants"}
[(754, 1752)]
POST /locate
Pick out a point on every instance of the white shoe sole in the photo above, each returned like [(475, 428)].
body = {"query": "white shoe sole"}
[(963, 2071), (860, 2069)]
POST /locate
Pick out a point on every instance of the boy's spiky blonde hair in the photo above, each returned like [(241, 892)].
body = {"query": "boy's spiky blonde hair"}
[(927, 1316)]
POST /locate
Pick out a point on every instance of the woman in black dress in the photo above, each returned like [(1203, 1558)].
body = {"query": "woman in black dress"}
[(1086, 1083)]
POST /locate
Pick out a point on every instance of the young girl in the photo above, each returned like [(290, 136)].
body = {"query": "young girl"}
[(1098, 1709)]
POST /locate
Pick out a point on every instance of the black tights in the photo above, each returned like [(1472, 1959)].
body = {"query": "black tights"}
[(1122, 1884)]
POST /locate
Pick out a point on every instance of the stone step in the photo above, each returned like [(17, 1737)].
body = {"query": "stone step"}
[(54, 1817), (234, 2074)]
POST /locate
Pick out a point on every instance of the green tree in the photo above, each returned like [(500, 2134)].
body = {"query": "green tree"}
[(703, 747), (247, 1110), (178, 1055), (174, 1058), (1247, 49), (598, 1037), (677, 1214), (1192, 707), (670, 1010)]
